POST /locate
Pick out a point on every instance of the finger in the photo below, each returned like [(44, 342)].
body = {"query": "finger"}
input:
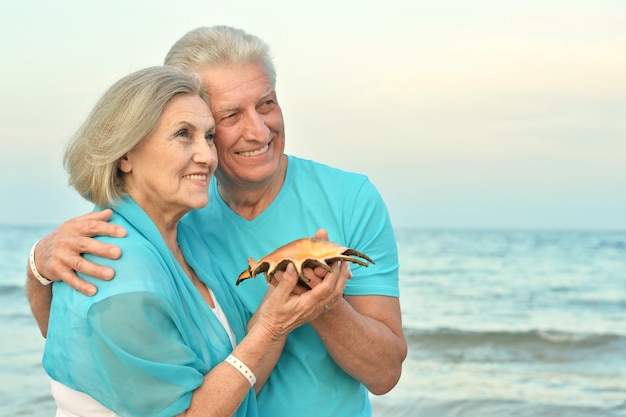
[(97, 224), (339, 277), (79, 284), (315, 276), (344, 274), (87, 267), (104, 215), (96, 247), (273, 281), (54, 257), (288, 280), (277, 277), (348, 270), (69, 273), (321, 234), (91, 224), (326, 286), (342, 268), (320, 271)]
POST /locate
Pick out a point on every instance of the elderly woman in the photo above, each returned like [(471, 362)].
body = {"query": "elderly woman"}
[(166, 336)]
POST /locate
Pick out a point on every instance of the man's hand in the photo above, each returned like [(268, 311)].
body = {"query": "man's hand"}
[(341, 271), (290, 308), (58, 255)]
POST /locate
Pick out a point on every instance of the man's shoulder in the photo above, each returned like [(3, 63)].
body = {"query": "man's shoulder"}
[(307, 166)]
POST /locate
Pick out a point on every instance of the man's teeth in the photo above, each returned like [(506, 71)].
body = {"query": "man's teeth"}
[(196, 177), (255, 153)]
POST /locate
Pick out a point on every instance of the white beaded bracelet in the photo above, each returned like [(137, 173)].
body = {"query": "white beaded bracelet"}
[(33, 268), (241, 367)]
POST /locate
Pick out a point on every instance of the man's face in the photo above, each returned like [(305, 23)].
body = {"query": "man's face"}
[(250, 137)]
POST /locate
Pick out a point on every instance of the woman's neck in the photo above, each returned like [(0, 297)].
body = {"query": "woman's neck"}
[(172, 243)]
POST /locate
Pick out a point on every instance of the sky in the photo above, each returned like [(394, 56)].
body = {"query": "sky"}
[(464, 114)]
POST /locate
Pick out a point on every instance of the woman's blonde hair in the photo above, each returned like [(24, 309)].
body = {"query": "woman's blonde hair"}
[(123, 117), (219, 45)]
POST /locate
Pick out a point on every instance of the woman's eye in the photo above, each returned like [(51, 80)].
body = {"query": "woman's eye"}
[(182, 133), (210, 136)]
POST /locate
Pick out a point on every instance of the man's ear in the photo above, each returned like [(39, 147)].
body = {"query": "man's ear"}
[(124, 164)]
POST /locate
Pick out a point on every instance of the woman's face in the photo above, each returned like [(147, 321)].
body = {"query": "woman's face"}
[(169, 173)]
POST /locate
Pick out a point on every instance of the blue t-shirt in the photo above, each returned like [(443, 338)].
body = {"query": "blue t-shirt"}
[(144, 342), (306, 380)]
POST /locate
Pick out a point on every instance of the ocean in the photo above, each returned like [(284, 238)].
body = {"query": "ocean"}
[(499, 323)]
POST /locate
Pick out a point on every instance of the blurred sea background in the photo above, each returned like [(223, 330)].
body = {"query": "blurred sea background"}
[(499, 323)]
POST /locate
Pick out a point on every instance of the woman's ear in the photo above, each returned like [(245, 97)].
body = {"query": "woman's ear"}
[(124, 164)]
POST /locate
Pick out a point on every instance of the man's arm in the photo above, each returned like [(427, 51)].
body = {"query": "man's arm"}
[(364, 336), (40, 297), (58, 257)]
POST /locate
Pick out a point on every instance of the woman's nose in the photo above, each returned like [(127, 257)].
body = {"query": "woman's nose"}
[(205, 152)]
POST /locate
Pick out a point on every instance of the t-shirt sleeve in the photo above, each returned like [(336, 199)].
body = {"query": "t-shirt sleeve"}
[(371, 232)]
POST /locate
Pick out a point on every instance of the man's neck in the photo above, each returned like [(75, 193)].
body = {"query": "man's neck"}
[(249, 200)]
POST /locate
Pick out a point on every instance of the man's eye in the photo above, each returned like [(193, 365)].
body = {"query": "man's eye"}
[(228, 119), (267, 106)]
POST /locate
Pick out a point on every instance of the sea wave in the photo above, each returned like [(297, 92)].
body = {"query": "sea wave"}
[(490, 407), (10, 290), (535, 345), (447, 335)]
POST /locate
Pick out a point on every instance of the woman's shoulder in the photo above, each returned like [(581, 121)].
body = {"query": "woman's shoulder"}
[(140, 268)]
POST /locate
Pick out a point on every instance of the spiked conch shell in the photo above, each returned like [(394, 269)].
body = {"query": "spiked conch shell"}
[(302, 253)]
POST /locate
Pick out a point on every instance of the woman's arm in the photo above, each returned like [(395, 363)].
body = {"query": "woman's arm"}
[(281, 311)]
